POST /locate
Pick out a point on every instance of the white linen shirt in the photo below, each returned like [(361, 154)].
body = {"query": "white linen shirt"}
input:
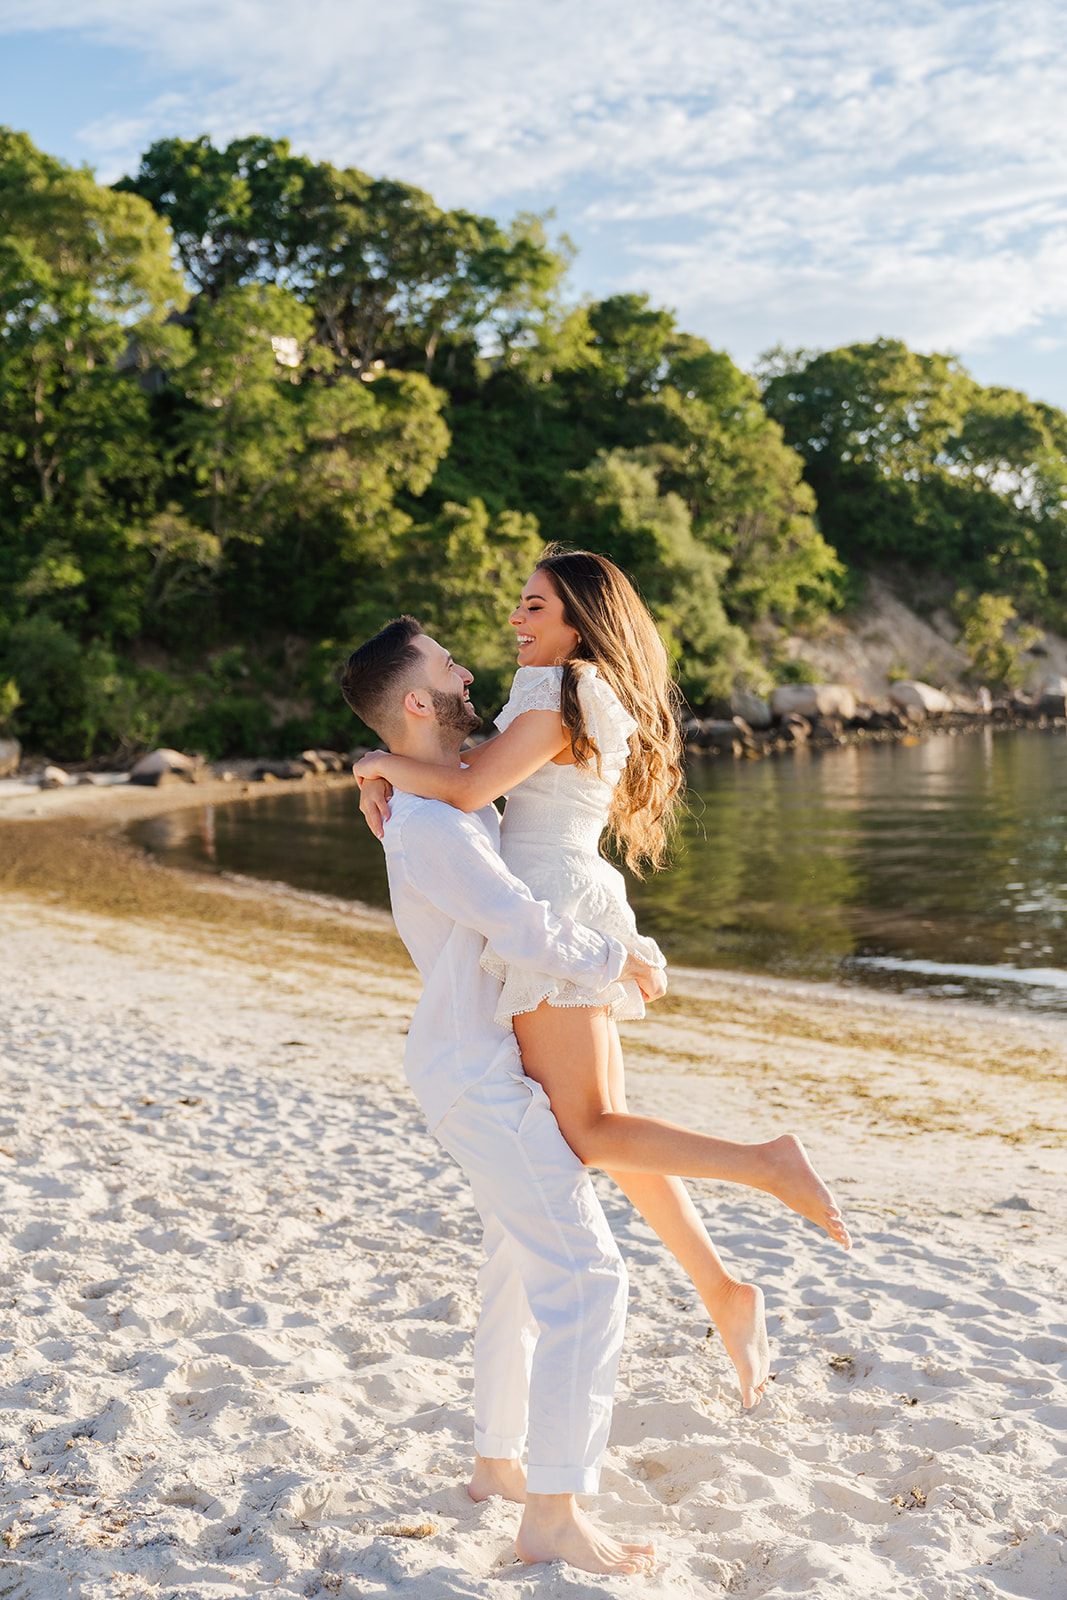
[(450, 892)]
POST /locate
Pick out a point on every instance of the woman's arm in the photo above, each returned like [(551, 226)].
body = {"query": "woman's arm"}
[(532, 739)]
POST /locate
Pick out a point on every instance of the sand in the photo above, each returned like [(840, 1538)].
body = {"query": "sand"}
[(239, 1280)]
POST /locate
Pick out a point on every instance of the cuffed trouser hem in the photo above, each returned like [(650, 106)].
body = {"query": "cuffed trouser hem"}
[(562, 1480), (500, 1447)]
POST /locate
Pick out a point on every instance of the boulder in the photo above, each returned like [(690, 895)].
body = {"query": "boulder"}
[(1052, 701), (10, 756), (313, 761), (275, 771), (891, 721), (331, 760), (919, 700), (164, 766), (967, 705), (754, 711), (54, 778), (712, 734), (813, 700), (795, 729)]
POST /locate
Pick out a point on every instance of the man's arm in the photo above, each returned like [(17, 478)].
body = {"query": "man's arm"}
[(457, 868)]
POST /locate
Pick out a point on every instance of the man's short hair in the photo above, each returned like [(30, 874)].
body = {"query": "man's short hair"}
[(379, 674)]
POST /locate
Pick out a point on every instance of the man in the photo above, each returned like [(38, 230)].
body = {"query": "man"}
[(553, 1284)]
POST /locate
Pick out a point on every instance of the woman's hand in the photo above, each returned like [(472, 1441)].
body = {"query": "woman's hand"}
[(368, 766), (652, 981), (374, 797)]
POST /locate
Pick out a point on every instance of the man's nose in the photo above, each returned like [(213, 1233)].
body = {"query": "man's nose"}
[(468, 677)]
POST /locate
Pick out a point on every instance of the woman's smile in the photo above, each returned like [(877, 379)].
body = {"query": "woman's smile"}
[(544, 639)]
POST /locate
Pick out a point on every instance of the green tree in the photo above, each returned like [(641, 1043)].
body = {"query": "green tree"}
[(995, 659), (910, 459), (619, 376), (284, 457), (86, 285), (617, 508), (385, 270)]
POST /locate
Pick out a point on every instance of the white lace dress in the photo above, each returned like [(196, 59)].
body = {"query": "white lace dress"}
[(550, 839)]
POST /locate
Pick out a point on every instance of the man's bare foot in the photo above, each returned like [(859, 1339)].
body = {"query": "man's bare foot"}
[(554, 1529), (737, 1311), (792, 1179), (498, 1475)]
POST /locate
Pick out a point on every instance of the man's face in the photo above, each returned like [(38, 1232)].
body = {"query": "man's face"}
[(447, 683)]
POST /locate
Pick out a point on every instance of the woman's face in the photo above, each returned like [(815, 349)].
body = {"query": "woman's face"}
[(544, 639)]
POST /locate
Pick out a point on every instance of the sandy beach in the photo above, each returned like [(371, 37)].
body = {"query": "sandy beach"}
[(239, 1276)]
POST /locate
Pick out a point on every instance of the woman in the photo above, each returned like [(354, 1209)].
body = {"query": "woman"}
[(589, 737)]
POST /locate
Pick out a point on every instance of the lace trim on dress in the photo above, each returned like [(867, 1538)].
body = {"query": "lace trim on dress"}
[(532, 689), (523, 992)]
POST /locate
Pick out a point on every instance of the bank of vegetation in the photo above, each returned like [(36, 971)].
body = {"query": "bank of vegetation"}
[(250, 404)]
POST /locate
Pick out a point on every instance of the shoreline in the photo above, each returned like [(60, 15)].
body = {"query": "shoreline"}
[(708, 738), (106, 812), (72, 858)]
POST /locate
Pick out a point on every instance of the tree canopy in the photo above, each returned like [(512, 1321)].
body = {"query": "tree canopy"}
[(251, 405), (911, 459)]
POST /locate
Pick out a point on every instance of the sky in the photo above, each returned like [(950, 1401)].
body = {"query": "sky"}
[(809, 173)]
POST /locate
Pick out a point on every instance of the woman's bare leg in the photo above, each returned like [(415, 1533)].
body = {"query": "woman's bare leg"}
[(568, 1051), (734, 1307)]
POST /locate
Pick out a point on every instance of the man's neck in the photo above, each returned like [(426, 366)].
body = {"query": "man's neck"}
[(425, 745)]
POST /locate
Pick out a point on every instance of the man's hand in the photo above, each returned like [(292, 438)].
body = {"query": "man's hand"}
[(374, 797), (652, 981)]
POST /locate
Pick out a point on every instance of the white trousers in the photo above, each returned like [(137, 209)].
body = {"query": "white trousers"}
[(553, 1288)]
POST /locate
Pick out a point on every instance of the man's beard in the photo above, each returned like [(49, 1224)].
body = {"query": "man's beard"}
[(454, 714)]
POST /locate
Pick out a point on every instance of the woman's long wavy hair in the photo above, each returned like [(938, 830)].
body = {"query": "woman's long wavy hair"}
[(617, 635)]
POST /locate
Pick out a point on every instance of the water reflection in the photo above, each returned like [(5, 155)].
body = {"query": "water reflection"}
[(939, 866), (190, 833)]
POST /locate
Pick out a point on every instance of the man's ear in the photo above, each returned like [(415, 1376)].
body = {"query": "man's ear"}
[(418, 703)]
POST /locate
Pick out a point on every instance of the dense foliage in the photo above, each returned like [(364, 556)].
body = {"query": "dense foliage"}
[(912, 460), (251, 405)]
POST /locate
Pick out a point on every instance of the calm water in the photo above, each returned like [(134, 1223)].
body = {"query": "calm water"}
[(938, 866)]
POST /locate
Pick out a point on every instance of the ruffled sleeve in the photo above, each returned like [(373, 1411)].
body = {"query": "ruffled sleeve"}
[(533, 689), (608, 721)]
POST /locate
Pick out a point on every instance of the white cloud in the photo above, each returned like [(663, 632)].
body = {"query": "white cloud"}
[(803, 169)]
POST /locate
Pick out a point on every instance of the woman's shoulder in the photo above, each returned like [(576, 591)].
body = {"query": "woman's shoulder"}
[(532, 689)]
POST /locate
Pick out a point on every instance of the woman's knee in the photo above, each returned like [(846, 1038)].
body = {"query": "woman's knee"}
[(585, 1135)]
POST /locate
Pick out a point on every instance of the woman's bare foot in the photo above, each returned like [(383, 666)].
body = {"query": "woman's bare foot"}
[(737, 1311), (498, 1475), (792, 1179), (554, 1529)]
